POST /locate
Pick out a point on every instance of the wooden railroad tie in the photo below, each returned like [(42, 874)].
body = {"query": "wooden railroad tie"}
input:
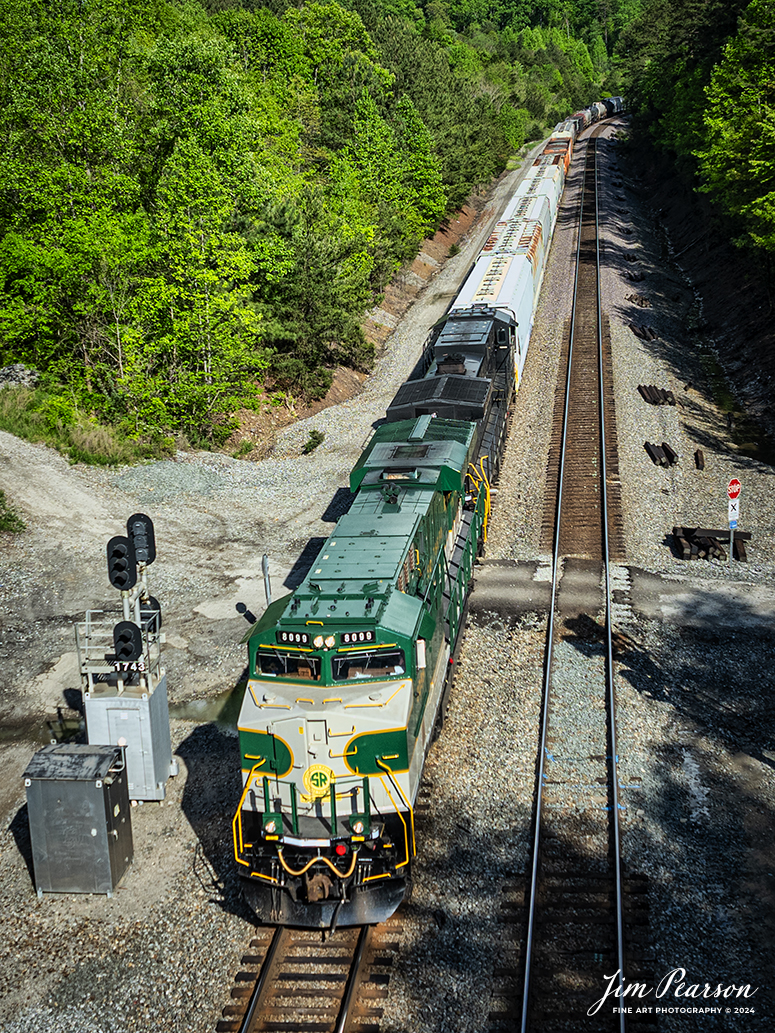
[(706, 543), (661, 455), (656, 395), (670, 454), (646, 333)]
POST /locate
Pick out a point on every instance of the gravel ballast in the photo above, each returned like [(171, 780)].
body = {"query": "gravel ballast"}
[(695, 742), (695, 751)]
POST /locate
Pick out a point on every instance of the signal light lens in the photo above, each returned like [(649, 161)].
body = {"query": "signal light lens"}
[(341, 849), (358, 828), (270, 827)]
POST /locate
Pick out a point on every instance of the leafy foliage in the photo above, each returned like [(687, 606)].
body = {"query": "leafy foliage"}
[(10, 521), (316, 437), (702, 77), (738, 161), (58, 420), (200, 197), (672, 49)]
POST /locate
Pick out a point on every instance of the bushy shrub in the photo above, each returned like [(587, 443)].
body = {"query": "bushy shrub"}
[(316, 437), (10, 521)]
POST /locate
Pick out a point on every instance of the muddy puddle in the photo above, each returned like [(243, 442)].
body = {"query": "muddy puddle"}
[(222, 709)]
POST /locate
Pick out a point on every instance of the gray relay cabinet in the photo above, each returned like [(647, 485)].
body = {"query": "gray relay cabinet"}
[(126, 703), (138, 719), (79, 814)]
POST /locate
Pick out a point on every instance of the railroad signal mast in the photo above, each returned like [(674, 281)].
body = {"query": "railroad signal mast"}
[(128, 560), (124, 684)]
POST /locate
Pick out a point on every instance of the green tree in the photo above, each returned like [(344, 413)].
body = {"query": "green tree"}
[(202, 341), (312, 312), (194, 190), (672, 49), (738, 161)]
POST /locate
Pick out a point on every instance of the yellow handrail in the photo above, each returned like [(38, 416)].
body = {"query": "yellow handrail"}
[(486, 496), (397, 784), (237, 820)]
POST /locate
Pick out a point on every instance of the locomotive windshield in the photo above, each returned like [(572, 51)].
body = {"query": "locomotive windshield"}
[(382, 663), (288, 665)]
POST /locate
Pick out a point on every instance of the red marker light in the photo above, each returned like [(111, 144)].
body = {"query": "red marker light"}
[(341, 849)]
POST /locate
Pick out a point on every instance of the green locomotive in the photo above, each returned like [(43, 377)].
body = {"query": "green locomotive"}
[(348, 673)]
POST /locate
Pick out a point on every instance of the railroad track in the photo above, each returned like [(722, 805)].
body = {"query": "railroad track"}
[(576, 438), (577, 919), (296, 981)]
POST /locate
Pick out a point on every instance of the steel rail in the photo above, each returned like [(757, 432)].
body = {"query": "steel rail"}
[(352, 982), (549, 639), (609, 630), (253, 1011), (261, 982), (529, 944)]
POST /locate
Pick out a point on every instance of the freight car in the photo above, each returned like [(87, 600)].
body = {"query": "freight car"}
[(614, 105), (581, 119), (348, 675)]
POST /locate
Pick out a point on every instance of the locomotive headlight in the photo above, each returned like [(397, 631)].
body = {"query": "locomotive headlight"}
[(330, 642), (317, 641), (270, 827), (358, 827)]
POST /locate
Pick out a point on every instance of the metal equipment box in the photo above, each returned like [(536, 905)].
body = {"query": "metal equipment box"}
[(79, 814), (126, 702), (137, 717)]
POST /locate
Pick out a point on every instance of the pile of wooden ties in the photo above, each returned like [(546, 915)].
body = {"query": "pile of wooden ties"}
[(699, 543)]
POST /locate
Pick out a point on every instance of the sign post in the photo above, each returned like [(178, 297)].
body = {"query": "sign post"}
[(267, 583), (733, 491)]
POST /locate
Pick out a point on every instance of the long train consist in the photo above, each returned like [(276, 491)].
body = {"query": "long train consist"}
[(348, 674)]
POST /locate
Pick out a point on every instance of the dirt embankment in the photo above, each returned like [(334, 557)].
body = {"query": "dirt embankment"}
[(260, 428), (733, 286)]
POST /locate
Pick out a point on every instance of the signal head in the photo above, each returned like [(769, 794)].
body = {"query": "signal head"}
[(122, 565), (140, 530), (127, 641)]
